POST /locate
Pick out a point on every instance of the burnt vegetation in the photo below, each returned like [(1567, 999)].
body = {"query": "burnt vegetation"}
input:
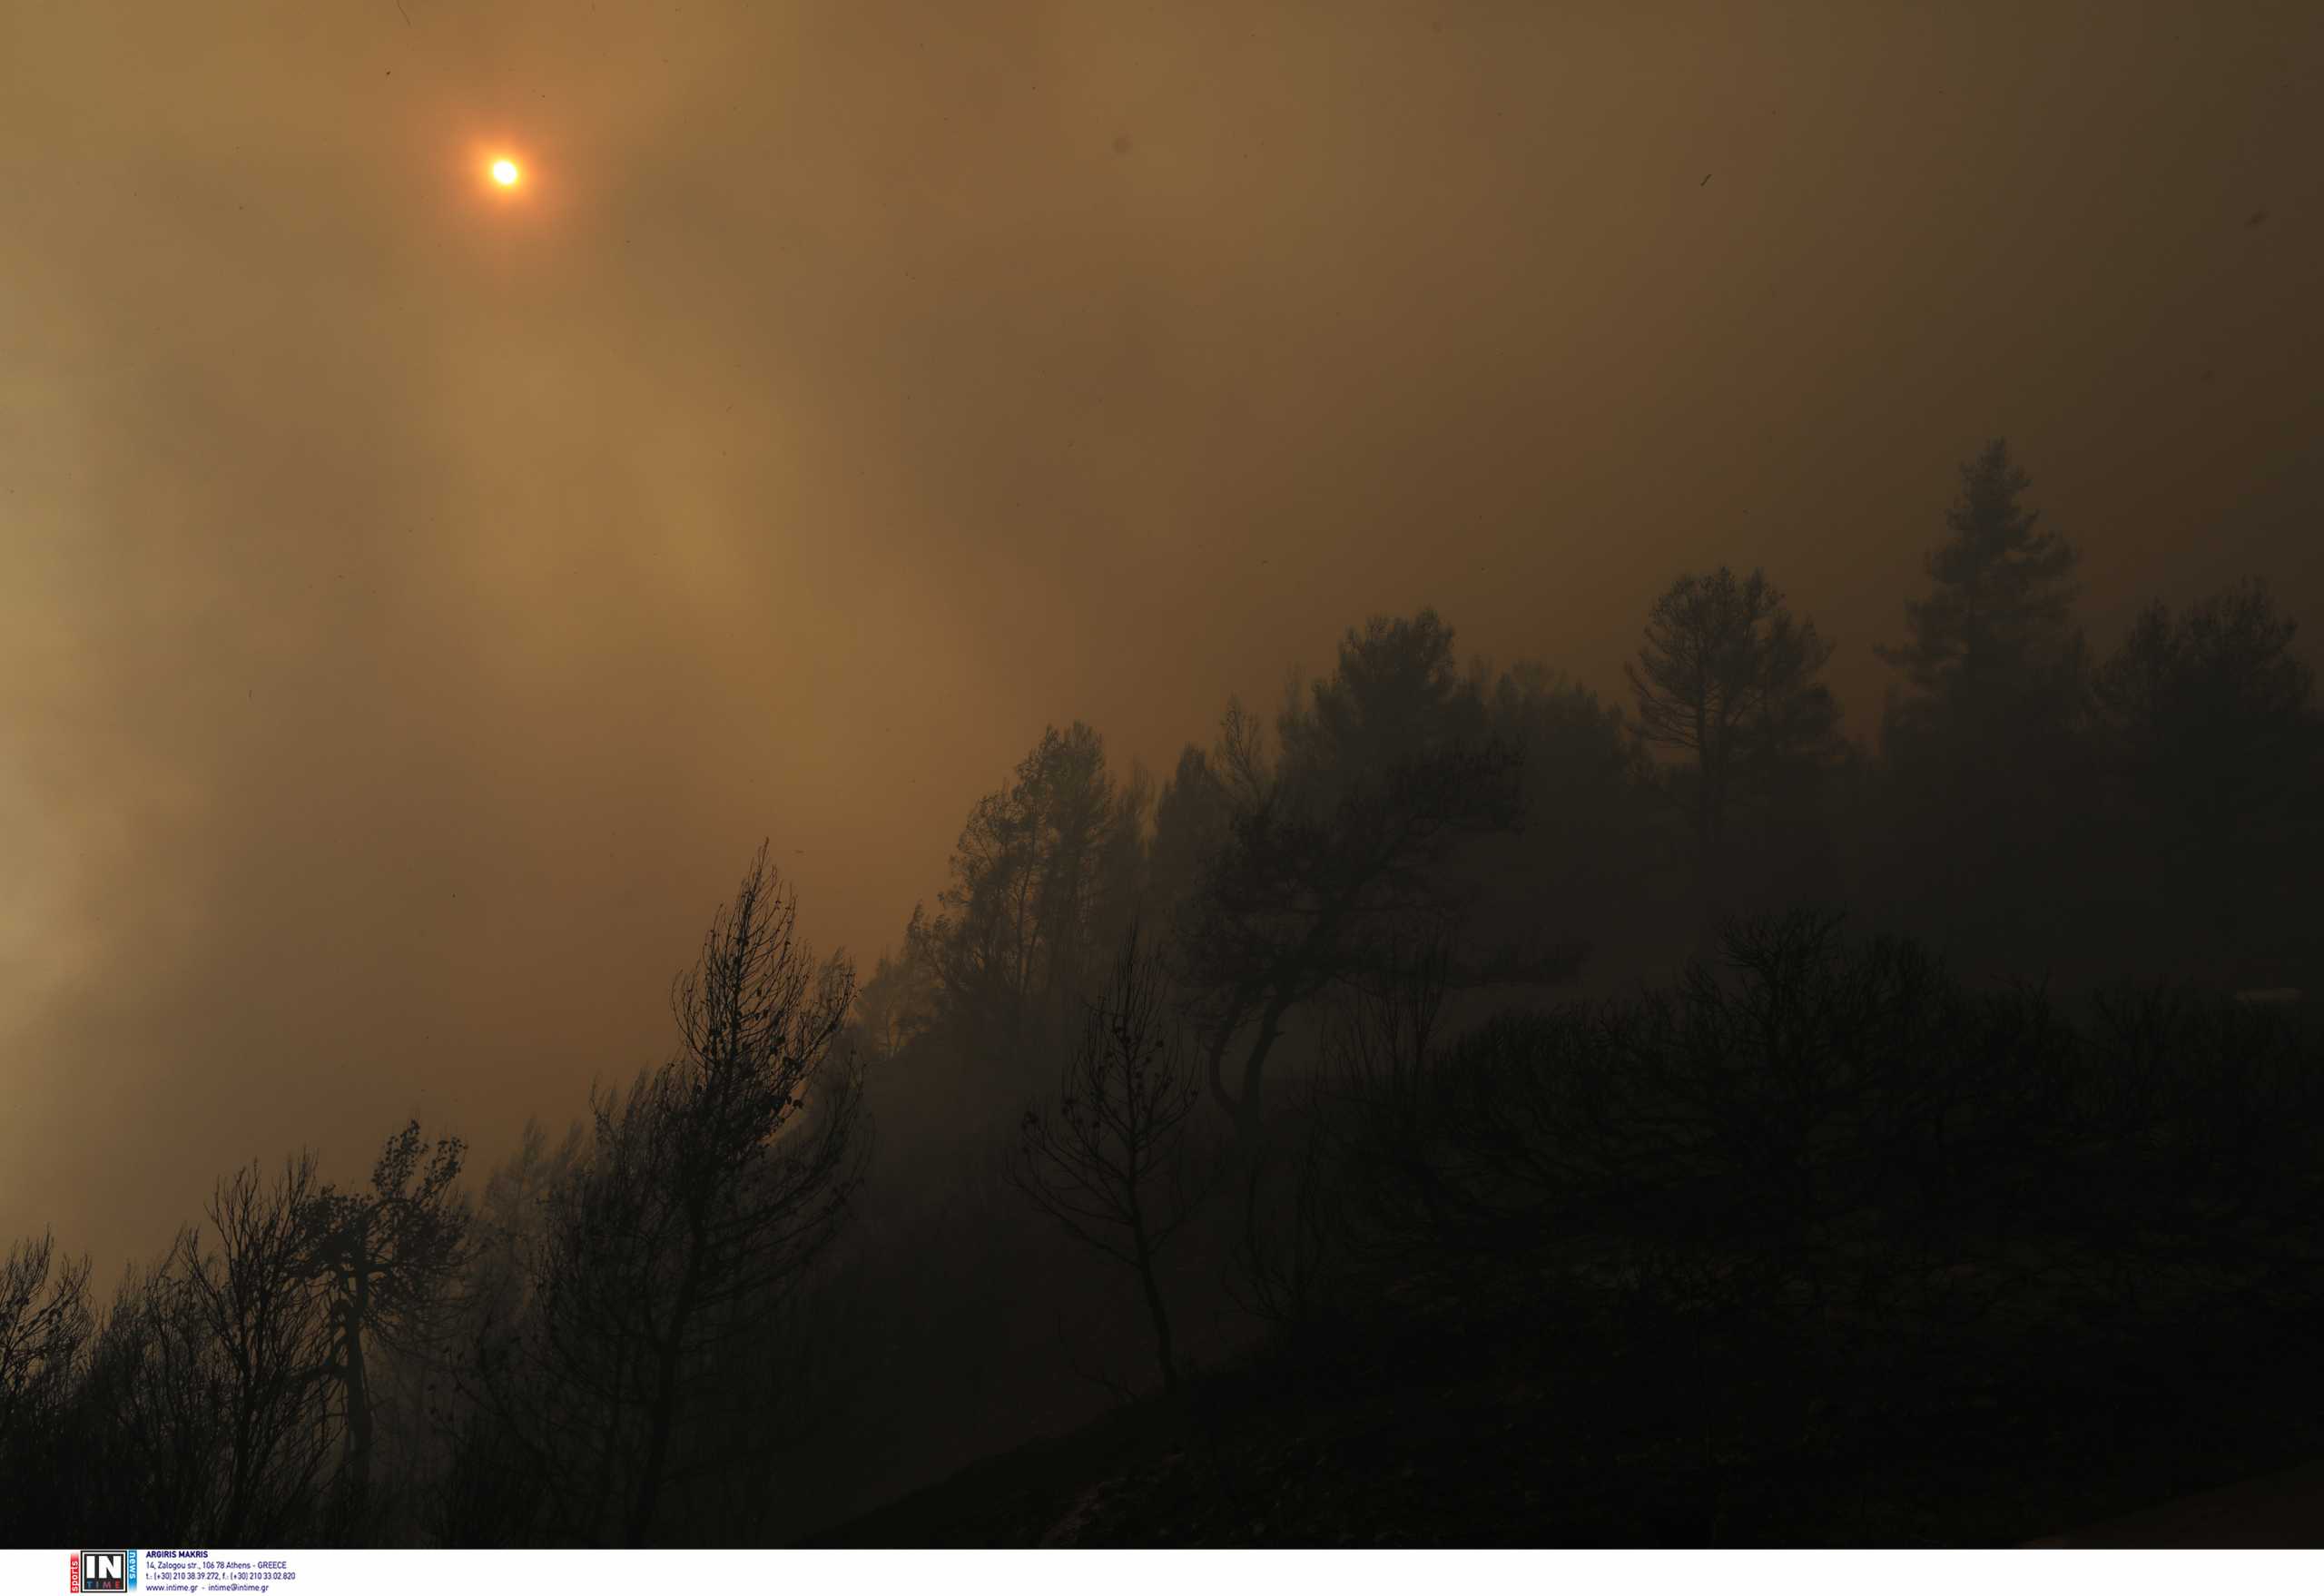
[(1457, 1109)]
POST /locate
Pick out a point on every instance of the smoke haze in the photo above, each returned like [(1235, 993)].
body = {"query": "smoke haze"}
[(419, 600)]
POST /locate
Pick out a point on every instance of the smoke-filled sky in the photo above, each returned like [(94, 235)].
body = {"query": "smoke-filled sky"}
[(418, 599)]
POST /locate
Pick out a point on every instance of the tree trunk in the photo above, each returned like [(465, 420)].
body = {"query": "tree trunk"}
[(359, 1392), (1162, 1347), (1711, 798), (1246, 1110), (663, 1418)]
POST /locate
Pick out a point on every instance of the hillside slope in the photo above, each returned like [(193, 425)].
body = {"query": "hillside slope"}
[(1455, 1428)]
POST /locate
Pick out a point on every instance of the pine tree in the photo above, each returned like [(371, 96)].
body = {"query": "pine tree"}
[(1046, 872), (1993, 642), (1987, 789), (1727, 679)]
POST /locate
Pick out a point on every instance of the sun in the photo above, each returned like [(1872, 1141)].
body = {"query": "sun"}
[(505, 173)]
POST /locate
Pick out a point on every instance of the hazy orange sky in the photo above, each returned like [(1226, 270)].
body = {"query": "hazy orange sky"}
[(420, 599)]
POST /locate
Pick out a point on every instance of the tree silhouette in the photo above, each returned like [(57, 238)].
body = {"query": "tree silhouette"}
[(707, 1192), (45, 1325), (151, 1420), (2208, 727), (387, 1260), (1192, 815), (1980, 816), (2211, 703), (896, 1005), (1727, 678), (1993, 641), (1045, 872), (1106, 1160), (1341, 846), (267, 1344), (1594, 853)]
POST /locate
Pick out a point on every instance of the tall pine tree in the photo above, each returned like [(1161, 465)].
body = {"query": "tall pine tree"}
[(1986, 792), (1992, 649)]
